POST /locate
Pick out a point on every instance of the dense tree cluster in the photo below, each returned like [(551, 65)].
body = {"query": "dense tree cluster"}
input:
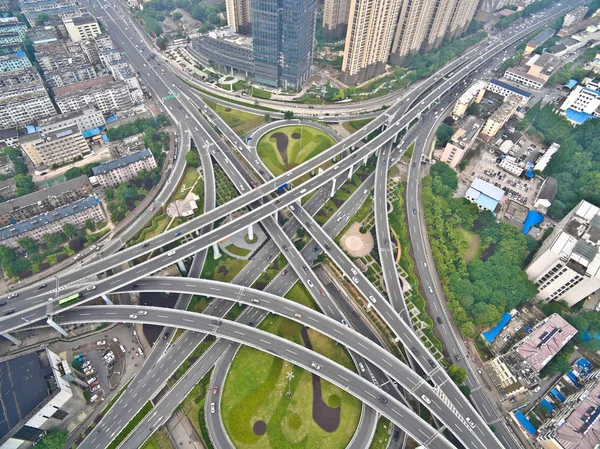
[(480, 291), (155, 12), (123, 198), (576, 166)]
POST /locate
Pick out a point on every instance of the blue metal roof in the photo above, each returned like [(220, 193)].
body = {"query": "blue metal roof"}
[(125, 160), (571, 84), (547, 404), (577, 117), (525, 423), (41, 220), (487, 202), (492, 333), (557, 395), (510, 87)]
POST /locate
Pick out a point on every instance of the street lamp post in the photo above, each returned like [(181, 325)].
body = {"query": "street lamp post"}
[(289, 376)]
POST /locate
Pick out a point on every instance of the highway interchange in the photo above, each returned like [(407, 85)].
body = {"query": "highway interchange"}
[(32, 304)]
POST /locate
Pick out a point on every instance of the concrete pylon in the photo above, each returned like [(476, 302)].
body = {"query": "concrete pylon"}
[(216, 251), (365, 160), (106, 300), (350, 172), (59, 329), (332, 187), (250, 233), (15, 341)]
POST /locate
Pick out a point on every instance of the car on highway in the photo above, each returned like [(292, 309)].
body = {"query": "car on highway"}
[(177, 233), (426, 399), (41, 287), (310, 284), (414, 211), (431, 363), (372, 299), (430, 289), (315, 365), (142, 312), (9, 312), (134, 286), (212, 407), (396, 435), (215, 389), (315, 249), (305, 268), (297, 315), (345, 323), (171, 253), (269, 257), (439, 320), (470, 422), (12, 295), (362, 367), (133, 316), (322, 292), (383, 399), (145, 245), (91, 288)]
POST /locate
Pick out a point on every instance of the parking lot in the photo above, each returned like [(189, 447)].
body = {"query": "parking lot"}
[(518, 189), (516, 329)]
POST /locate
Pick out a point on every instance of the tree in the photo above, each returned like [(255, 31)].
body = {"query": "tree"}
[(28, 244), (288, 115), (267, 117), (24, 185), (443, 134), (42, 18), (89, 225), (69, 230), (73, 172), (176, 16), (457, 374), (559, 364), (192, 159), (55, 439), (161, 42)]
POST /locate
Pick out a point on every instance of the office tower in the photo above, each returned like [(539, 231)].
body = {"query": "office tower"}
[(283, 33), (238, 15), (335, 18), (369, 38), (424, 24)]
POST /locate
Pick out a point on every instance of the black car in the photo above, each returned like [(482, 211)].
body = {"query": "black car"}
[(396, 435), (382, 399), (134, 286), (431, 363), (415, 351), (145, 245), (439, 320), (327, 247), (41, 287), (166, 336), (9, 312)]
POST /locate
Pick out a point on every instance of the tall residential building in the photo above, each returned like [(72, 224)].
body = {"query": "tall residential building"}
[(58, 147), (238, 15), (283, 34), (82, 27), (335, 18), (567, 265), (369, 38), (424, 24), (105, 94)]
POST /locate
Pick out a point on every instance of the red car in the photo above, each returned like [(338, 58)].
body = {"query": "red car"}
[(215, 389), (323, 293), (284, 272)]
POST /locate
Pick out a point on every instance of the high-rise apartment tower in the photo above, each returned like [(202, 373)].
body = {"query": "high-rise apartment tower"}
[(238, 15), (335, 18), (424, 24), (369, 38), (283, 33)]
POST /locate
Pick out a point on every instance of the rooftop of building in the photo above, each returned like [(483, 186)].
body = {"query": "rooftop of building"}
[(525, 75), (15, 230), (8, 133), (542, 37), (488, 189), (581, 429), (121, 162), (58, 10), (68, 116), (546, 339), (578, 117), (25, 96), (510, 87), (467, 131), (549, 189), (229, 35), (84, 19), (81, 182), (472, 91), (84, 85), (23, 389), (506, 109), (60, 133)]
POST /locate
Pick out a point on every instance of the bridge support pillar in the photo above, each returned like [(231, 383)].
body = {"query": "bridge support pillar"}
[(350, 172), (216, 251), (332, 187), (365, 160), (106, 300), (250, 233), (275, 216), (15, 341), (59, 329)]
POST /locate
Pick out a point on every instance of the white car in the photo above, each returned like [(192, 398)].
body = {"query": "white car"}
[(171, 253), (91, 288), (315, 365), (310, 284), (142, 312), (133, 316), (212, 407), (101, 342), (471, 423), (426, 399), (372, 299), (362, 367)]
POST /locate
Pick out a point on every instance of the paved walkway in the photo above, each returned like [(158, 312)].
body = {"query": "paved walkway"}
[(357, 244), (182, 432)]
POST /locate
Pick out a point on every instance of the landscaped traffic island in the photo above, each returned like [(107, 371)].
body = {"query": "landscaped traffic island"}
[(284, 148), (256, 409)]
